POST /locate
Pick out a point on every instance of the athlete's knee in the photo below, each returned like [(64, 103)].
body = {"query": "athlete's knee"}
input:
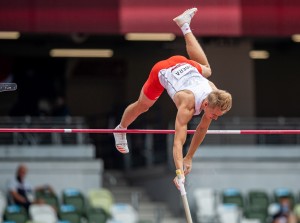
[(143, 106)]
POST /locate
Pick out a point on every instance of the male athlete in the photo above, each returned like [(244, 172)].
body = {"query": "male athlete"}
[(186, 83)]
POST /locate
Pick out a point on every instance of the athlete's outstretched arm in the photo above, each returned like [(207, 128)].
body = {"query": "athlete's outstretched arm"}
[(197, 139)]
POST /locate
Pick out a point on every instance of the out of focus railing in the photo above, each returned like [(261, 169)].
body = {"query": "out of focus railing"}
[(145, 149), (238, 123), (42, 138), (148, 150)]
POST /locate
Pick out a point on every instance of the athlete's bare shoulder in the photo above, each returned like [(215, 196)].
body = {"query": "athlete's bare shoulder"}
[(212, 85), (185, 98)]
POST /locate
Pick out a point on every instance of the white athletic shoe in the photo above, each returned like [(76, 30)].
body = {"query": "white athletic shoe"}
[(121, 141), (185, 17)]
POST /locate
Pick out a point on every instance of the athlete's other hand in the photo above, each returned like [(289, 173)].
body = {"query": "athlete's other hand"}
[(187, 164)]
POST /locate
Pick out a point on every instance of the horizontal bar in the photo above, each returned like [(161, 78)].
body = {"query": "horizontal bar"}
[(150, 131), (268, 132)]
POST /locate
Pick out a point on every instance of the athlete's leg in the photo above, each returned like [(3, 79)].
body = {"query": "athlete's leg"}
[(132, 111), (193, 47), (135, 109), (150, 92)]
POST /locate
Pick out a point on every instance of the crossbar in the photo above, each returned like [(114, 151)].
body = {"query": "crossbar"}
[(149, 131)]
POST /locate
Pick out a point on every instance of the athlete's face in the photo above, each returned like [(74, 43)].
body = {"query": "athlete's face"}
[(213, 113)]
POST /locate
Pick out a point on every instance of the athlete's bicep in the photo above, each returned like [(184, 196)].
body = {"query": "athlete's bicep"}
[(184, 115)]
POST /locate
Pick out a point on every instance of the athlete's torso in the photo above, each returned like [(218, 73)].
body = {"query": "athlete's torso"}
[(182, 77)]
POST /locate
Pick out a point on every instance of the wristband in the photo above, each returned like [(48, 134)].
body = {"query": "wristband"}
[(179, 172)]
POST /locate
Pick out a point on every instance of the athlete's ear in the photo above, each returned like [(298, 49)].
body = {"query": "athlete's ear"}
[(205, 103)]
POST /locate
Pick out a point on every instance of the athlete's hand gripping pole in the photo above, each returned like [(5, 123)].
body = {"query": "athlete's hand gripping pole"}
[(180, 178)]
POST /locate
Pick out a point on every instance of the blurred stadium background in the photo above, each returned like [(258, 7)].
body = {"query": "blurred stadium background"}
[(254, 50)]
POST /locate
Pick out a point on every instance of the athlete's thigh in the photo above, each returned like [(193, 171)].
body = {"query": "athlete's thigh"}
[(144, 100)]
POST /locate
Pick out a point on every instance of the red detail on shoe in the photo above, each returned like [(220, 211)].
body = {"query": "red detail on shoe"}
[(121, 149)]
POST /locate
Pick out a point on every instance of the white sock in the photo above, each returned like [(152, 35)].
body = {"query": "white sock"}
[(185, 28)]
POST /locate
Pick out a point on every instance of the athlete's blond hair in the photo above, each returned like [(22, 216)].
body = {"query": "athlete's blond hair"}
[(221, 99)]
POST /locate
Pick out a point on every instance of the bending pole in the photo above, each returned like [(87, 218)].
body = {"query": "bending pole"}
[(151, 131)]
